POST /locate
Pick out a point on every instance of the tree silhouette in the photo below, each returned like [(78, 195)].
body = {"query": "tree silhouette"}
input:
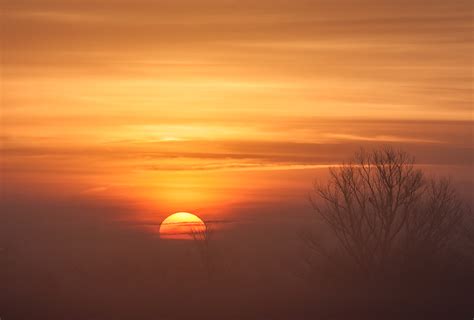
[(384, 212), (202, 239)]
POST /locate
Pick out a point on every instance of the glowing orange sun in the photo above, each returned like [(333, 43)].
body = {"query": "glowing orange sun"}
[(181, 225)]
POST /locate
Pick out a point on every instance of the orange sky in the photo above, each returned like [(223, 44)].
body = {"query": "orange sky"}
[(196, 102)]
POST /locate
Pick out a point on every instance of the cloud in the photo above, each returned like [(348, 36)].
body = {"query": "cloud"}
[(377, 138)]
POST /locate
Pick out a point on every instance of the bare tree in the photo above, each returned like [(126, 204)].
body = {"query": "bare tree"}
[(383, 210), (202, 237)]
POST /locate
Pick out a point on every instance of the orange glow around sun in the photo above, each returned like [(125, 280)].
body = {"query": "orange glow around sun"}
[(211, 108), (181, 225)]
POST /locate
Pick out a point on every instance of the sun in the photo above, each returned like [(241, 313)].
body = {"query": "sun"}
[(181, 225)]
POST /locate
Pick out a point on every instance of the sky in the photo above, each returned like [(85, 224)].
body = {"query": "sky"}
[(211, 106), (114, 114)]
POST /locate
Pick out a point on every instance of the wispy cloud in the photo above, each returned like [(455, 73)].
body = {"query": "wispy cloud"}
[(379, 138)]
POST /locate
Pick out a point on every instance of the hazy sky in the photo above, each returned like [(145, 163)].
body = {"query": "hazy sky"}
[(190, 104)]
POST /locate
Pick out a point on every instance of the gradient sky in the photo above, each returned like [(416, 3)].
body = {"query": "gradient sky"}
[(184, 105)]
